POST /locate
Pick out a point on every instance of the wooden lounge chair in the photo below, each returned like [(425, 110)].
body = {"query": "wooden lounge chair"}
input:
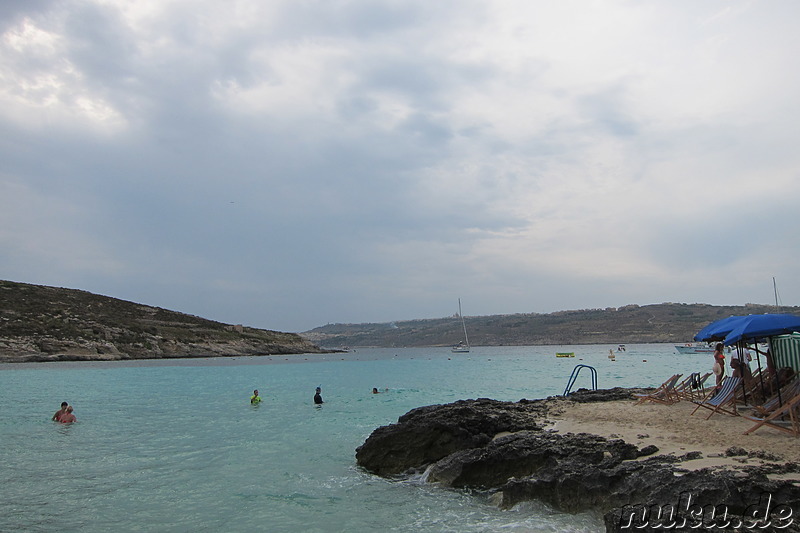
[(724, 401), (787, 392), (775, 382), (749, 391), (695, 388), (790, 409), (665, 393)]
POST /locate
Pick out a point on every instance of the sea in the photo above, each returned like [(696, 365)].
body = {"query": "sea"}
[(175, 445)]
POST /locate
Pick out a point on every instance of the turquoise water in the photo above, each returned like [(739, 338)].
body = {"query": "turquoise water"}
[(175, 446)]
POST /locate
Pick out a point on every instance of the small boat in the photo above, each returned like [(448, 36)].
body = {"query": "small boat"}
[(690, 348), (565, 354), (462, 346)]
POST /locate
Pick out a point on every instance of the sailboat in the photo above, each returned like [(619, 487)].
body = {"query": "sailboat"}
[(462, 346)]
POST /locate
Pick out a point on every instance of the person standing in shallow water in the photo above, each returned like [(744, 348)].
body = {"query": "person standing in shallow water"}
[(255, 399), (318, 396), (61, 412), (67, 417)]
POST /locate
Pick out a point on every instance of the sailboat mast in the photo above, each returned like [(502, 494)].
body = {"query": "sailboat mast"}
[(775, 288), (463, 324)]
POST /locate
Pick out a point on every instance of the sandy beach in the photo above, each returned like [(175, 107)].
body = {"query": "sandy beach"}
[(675, 431)]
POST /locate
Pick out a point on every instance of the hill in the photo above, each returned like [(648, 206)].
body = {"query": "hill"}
[(658, 323), (39, 323)]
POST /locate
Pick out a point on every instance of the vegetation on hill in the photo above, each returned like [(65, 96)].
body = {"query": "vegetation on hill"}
[(666, 322), (39, 323)]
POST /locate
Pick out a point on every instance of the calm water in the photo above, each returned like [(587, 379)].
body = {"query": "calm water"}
[(175, 446)]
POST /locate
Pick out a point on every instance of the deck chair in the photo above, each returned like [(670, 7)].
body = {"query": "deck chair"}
[(790, 409), (724, 401), (665, 393), (788, 391), (749, 391), (695, 388)]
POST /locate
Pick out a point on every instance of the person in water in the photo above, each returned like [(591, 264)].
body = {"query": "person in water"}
[(255, 399), (318, 396), (67, 417), (61, 412)]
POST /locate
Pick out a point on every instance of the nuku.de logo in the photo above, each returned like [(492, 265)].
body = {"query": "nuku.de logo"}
[(692, 515)]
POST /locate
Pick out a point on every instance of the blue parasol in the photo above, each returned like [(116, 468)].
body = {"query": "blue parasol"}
[(754, 328), (717, 330)]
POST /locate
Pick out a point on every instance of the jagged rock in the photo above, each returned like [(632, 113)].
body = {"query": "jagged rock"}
[(708, 500), (605, 395), (526, 453), (427, 434), (650, 449), (500, 447)]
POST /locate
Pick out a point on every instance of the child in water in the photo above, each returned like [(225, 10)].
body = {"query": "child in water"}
[(255, 399)]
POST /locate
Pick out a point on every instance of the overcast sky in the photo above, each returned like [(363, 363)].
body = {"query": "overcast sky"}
[(287, 164)]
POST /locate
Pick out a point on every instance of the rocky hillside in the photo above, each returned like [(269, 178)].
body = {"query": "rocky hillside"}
[(667, 322), (40, 323)]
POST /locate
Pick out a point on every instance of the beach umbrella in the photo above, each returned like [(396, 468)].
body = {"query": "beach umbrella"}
[(717, 330), (754, 328)]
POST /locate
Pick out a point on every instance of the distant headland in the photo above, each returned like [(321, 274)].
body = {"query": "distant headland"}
[(631, 324), (39, 323)]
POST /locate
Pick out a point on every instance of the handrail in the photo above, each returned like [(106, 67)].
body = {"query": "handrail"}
[(574, 376)]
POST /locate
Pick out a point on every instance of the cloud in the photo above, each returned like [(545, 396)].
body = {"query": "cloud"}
[(289, 164)]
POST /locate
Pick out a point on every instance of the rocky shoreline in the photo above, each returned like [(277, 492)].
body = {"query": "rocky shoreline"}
[(41, 350), (509, 451), (42, 324)]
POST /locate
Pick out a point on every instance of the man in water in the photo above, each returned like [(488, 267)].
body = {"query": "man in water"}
[(61, 412), (255, 399), (318, 396), (67, 417)]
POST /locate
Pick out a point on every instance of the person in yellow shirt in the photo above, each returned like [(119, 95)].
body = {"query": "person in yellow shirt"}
[(255, 399)]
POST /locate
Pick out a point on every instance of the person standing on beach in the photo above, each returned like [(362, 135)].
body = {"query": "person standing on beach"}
[(61, 412), (67, 417), (318, 396), (740, 363), (255, 399), (719, 364)]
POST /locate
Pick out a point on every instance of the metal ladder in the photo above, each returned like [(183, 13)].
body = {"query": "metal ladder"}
[(574, 376)]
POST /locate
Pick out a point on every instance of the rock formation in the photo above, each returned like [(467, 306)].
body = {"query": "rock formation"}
[(501, 448), (39, 323)]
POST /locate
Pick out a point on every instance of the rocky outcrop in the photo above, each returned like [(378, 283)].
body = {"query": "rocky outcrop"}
[(428, 434), (501, 448), (39, 323), (43, 349)]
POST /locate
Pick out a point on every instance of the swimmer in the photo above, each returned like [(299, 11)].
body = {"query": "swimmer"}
[(255, 399), (61, 412), (375, 390), (318, 396), (67, 417)]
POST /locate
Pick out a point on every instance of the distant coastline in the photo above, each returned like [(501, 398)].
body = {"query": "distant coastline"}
[(631, 324), (39, 324)]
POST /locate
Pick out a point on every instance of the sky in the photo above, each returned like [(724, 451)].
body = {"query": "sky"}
[(285, 164)]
